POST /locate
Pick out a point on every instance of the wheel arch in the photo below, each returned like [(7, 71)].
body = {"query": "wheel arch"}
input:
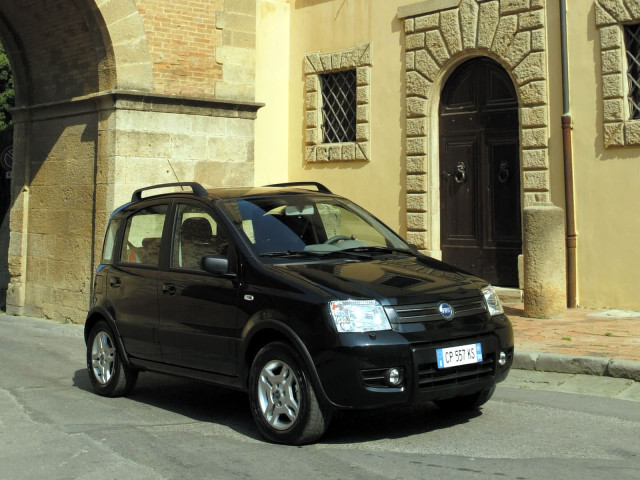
[(98, 315), (265, 332)]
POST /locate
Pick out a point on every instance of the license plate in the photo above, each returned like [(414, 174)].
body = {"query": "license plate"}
[(461, 355)]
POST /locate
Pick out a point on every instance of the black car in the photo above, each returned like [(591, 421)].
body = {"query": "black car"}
[(295, 295)]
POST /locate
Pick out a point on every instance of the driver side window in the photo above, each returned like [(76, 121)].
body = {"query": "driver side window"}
[(197, 235)]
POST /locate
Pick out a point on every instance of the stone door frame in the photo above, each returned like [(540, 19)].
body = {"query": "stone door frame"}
[(439, 36)]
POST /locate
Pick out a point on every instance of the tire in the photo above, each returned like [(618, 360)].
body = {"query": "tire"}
[(283, 401), (109, 376), (467, 402)]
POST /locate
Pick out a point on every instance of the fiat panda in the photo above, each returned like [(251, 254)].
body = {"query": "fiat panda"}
[(290, 293)]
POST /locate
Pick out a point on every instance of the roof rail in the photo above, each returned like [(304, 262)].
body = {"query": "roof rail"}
[(319, 186), (197, 189)]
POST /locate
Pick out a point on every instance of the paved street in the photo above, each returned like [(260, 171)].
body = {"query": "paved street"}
[(53, 427)]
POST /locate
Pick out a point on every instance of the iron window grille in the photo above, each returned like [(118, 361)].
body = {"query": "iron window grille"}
[(338, 106), (632, 46)]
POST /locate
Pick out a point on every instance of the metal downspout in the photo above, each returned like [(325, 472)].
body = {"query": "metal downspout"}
[(567, 128)]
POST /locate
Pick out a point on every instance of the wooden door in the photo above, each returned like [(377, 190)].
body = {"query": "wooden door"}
[(480, 172)]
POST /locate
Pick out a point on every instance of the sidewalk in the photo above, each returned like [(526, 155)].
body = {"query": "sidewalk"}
[(598, 342)]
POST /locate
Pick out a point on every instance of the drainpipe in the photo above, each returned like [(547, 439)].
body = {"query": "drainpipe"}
[(567, 127)]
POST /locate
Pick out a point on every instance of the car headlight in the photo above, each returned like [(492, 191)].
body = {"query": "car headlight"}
[(358, 316), (492, 301)]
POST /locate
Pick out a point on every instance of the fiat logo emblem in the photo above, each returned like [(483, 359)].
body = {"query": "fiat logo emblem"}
[(446, 311)]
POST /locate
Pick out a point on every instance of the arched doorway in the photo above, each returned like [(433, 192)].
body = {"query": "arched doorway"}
[(480, 193)]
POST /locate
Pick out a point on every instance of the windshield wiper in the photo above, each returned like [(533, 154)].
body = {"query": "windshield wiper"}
[(314, 253), (378, 249), (286, 253)]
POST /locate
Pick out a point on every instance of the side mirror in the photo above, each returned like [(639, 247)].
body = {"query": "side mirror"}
[(216, 265)]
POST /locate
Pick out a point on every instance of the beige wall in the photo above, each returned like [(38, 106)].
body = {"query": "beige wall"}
[(607, 179), (272, 89)]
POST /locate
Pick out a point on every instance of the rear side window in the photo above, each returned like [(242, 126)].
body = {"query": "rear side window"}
[(110, 242), (143, 236)]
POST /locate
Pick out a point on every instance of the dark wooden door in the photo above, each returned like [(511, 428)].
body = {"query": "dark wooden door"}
[(480, 172)]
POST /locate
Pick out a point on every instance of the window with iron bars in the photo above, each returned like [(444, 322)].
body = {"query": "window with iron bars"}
[(338, 106), (632, 46)]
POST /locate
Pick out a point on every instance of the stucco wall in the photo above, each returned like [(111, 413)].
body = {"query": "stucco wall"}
[(607, 179), (273, 63), (326, 27)]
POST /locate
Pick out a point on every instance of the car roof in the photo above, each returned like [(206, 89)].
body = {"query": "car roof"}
[(197, 190)]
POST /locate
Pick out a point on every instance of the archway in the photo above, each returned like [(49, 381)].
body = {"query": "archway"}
[(480, 219), (62, 54)]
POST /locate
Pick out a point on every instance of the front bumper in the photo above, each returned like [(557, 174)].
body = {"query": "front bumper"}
[(353, 374)]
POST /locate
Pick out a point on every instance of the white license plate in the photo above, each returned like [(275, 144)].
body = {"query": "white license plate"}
[(461, 355)]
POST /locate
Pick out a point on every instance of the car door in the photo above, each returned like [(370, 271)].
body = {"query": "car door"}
[(198, 327), (132, 282)]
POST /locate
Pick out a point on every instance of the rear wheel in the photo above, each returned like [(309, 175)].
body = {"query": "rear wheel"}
[(108, 374), (283, 402), (467, 402)]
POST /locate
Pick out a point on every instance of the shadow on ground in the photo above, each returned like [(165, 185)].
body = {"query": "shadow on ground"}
[(203, 402)]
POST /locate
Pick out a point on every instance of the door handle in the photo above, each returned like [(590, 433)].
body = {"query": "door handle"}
[(115, 282), (169, 289)]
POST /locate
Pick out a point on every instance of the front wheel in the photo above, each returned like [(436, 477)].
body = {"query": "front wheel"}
[(283, 402), (467, 402), (109, 376)]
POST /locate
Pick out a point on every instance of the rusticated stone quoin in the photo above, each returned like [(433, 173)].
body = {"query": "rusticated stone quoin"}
[(544, 261)]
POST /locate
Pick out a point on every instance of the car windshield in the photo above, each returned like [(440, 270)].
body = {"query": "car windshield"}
[(282, 225)]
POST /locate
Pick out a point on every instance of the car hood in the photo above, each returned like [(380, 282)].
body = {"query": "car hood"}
[(393, 280)]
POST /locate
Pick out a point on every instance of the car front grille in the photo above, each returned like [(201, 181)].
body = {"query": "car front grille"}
[(428, 312)]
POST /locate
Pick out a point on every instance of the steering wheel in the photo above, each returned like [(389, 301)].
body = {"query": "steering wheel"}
[(335, 239)]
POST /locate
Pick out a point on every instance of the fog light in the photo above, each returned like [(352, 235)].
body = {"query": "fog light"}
[(394, 377), (503, 359)]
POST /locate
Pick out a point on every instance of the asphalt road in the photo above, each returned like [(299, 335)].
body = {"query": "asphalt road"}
[(52, 426)]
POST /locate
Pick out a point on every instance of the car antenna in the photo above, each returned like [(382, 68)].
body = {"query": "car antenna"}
[(174, 173)]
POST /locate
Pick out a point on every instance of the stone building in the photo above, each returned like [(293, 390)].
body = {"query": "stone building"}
[(469, 125)]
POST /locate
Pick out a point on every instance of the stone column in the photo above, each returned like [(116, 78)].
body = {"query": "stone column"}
[(545, 289)]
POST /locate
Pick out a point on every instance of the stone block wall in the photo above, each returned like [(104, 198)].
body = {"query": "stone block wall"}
[(52, 224), (130, 93), (161, 144)]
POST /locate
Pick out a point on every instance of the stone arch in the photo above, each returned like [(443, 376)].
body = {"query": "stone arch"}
[(65, 55), (121, 27), (436, 42)]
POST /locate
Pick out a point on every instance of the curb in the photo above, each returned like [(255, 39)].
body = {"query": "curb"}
[(561, 363)]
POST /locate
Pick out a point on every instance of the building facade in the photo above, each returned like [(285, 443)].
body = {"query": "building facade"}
[(445, 85), (452, 120)]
